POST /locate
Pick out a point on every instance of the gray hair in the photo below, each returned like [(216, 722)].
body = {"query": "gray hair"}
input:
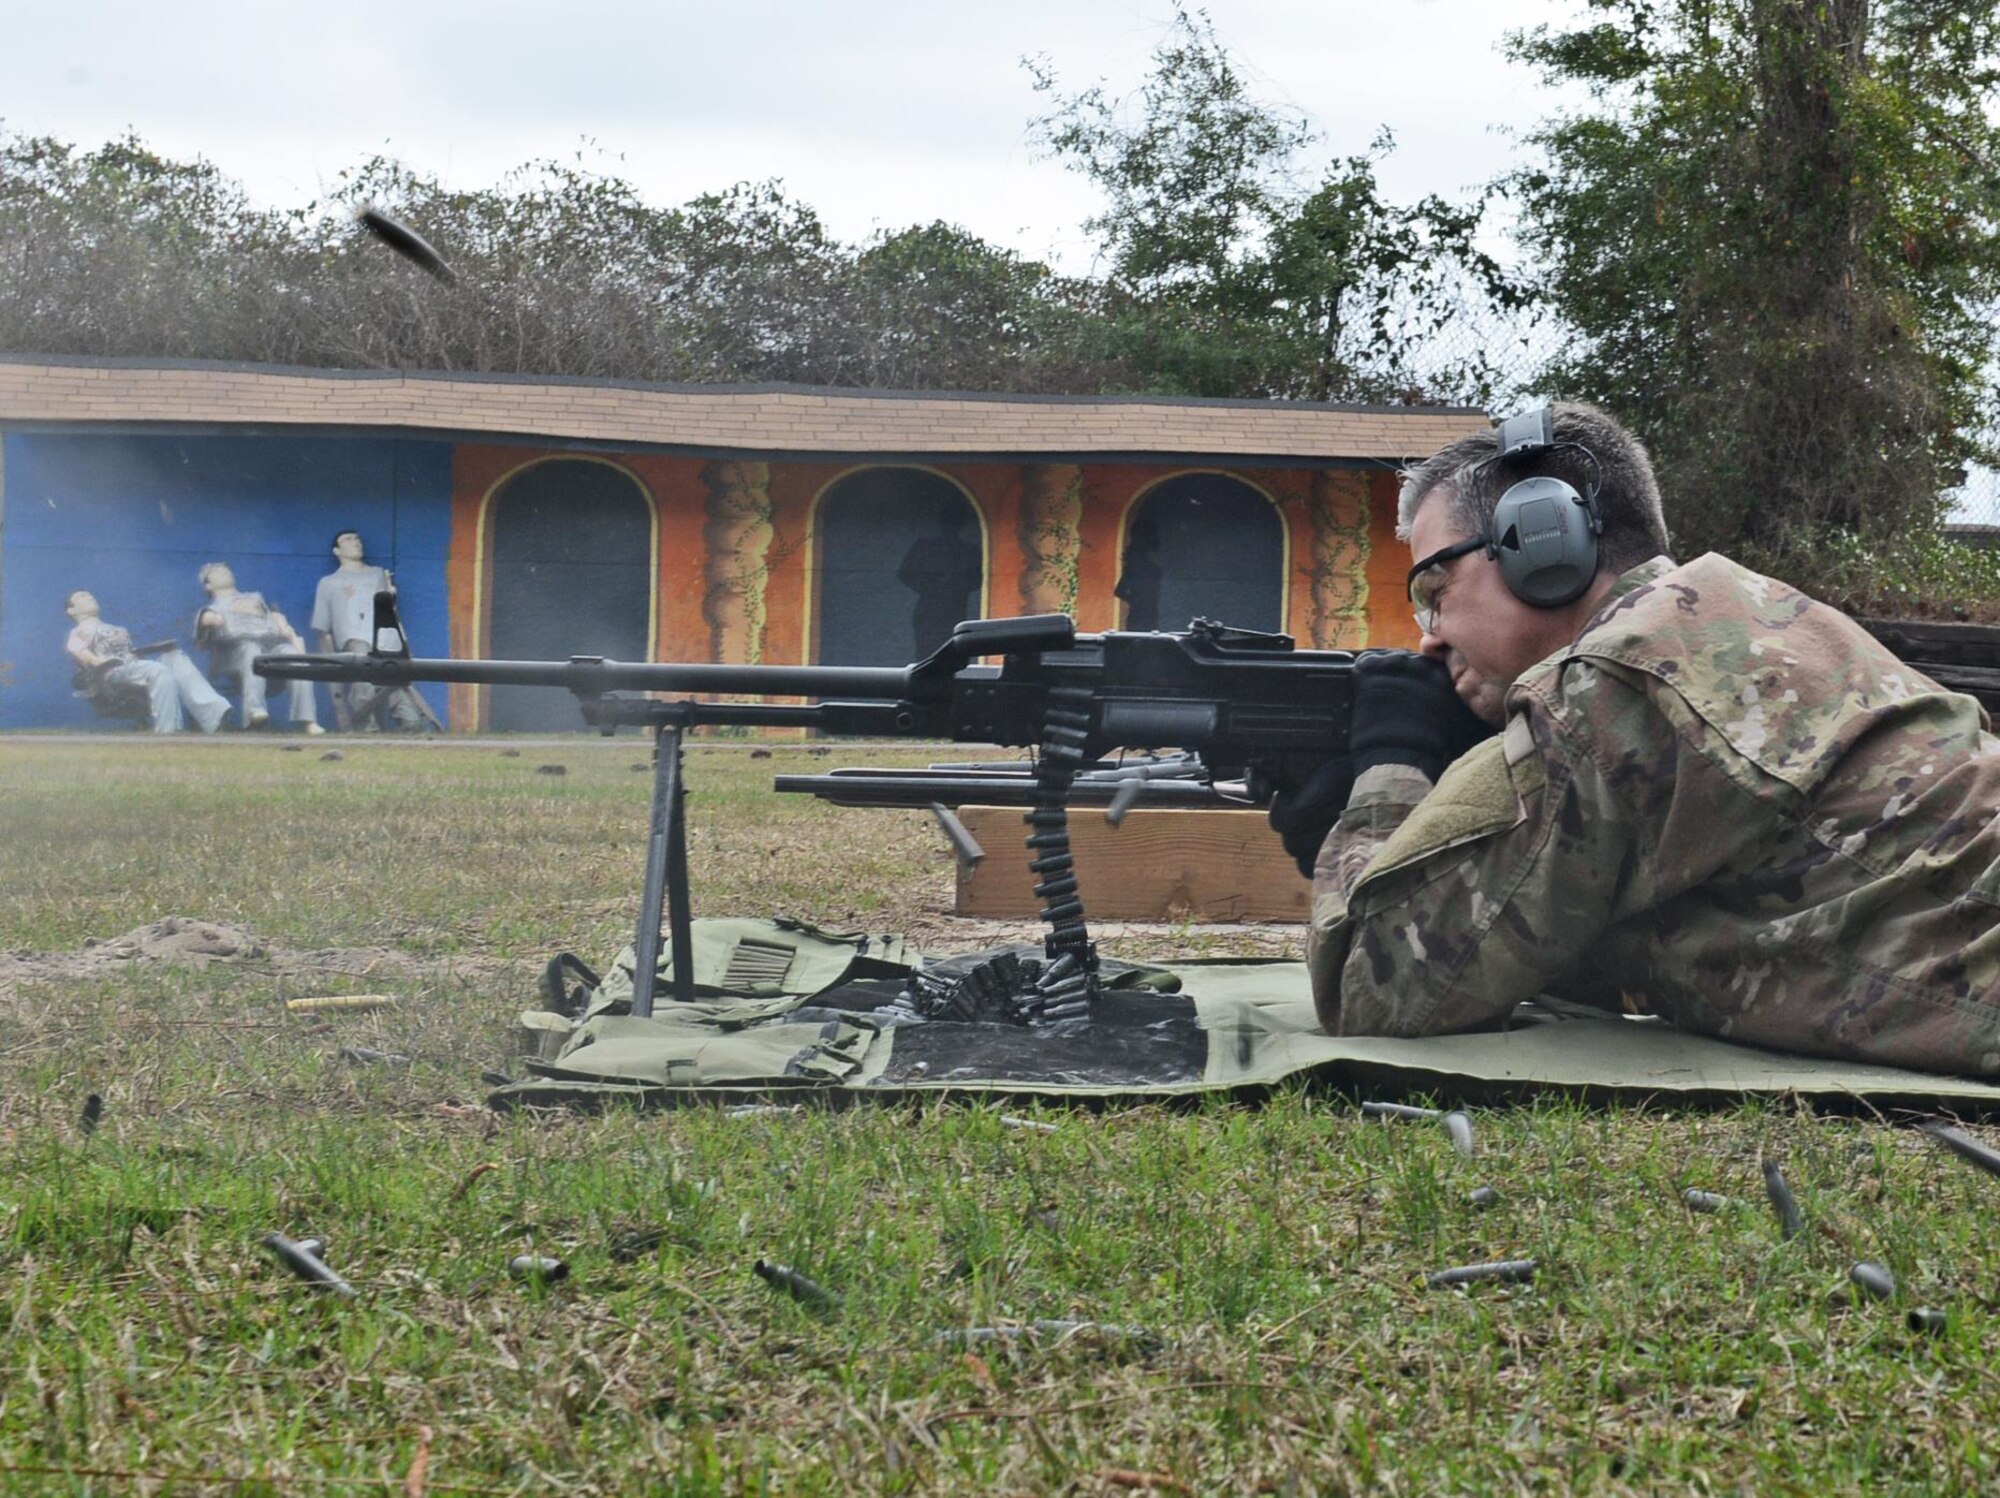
[(1628, 496)]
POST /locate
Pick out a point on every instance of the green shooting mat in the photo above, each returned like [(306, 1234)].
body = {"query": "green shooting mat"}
[(787, 1007)]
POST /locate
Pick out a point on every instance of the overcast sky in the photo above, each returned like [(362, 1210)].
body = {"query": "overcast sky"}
[(879, 113)]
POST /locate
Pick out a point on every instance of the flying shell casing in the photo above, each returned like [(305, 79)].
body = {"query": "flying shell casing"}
[(1875, 1279), (307, 1266), (1506, 1271), (1791, 1222), (806, 1292), (1459, 1126), (537, 1267)]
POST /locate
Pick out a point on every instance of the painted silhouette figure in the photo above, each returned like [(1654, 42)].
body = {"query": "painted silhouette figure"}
[(943, 570), (1140, 577)]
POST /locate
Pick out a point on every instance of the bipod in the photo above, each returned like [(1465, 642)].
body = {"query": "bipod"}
[(666, 881)]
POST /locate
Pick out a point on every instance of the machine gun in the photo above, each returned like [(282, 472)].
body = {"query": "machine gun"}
[(1246, 705)]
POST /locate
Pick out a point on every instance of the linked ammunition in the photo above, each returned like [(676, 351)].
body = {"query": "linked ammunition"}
[(1703, 1201), (1790, 1221), (1507, 1271), (1965, 1147), (307, 1266), (1875, 1279), (1929, 1321), (1459, 1126), (809, 1293), (538, 1268), (1061, 968), (1399, 1110)]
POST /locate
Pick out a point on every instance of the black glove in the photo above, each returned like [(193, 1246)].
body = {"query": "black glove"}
[(1304, 816), (1407, 713)]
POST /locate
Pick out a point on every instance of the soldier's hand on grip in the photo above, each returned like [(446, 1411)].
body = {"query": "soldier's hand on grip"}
[(1407, 713), (1302, 817)]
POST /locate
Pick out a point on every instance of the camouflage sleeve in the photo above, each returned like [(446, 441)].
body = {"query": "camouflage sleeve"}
[(1443, 913), (1382, 800)]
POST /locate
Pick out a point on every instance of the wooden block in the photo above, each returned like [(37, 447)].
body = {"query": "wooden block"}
[(1157, 866)]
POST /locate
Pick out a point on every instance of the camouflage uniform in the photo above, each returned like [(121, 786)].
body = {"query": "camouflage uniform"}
[(1723, 801)]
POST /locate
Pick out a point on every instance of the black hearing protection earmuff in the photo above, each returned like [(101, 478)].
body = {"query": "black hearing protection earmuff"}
[(1544, 534)]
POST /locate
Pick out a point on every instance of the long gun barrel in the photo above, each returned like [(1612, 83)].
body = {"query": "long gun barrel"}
[(1240, 699), (1246, 705)]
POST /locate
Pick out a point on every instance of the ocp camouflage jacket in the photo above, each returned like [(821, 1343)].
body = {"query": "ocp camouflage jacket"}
[(1723, 802)]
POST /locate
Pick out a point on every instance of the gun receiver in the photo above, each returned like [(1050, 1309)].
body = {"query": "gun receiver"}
[(1243, 704)]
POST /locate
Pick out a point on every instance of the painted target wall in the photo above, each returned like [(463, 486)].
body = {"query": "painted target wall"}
[(133, 518)]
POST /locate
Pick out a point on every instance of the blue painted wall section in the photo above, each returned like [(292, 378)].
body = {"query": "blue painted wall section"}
[(133, 518)]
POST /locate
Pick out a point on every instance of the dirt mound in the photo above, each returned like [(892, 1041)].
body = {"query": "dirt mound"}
[(189, 941), (179, 939)]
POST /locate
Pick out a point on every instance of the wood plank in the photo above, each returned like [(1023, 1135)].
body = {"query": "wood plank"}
[(1157, 866)]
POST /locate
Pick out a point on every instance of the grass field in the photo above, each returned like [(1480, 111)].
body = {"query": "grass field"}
[(1268, 1261)]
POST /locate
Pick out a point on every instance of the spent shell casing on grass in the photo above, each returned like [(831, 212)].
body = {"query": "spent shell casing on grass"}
[(1703, 1201), (805, 1291), (307, 1266), (1459, 1126), (363, 1055), (537, 1267), (1965, 1147), (1790, 1221), (314, 1246), (1928, 1320), (1507, 1271), (1400, 1110), (1480, 1198), (1875, 1279), (968, 1336)]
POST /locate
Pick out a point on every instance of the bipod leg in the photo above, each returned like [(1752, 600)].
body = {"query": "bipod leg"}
[(666, 881)]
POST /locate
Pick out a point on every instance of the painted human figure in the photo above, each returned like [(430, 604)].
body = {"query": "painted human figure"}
[(943, 570), (343, 618), (1140, 577), (240, 628), (107, 661)]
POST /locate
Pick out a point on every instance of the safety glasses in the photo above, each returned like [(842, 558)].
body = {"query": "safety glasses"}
[(1427, 579)]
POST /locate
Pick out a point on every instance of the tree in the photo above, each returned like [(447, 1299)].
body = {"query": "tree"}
[(1225, 276), (1775, 237)]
